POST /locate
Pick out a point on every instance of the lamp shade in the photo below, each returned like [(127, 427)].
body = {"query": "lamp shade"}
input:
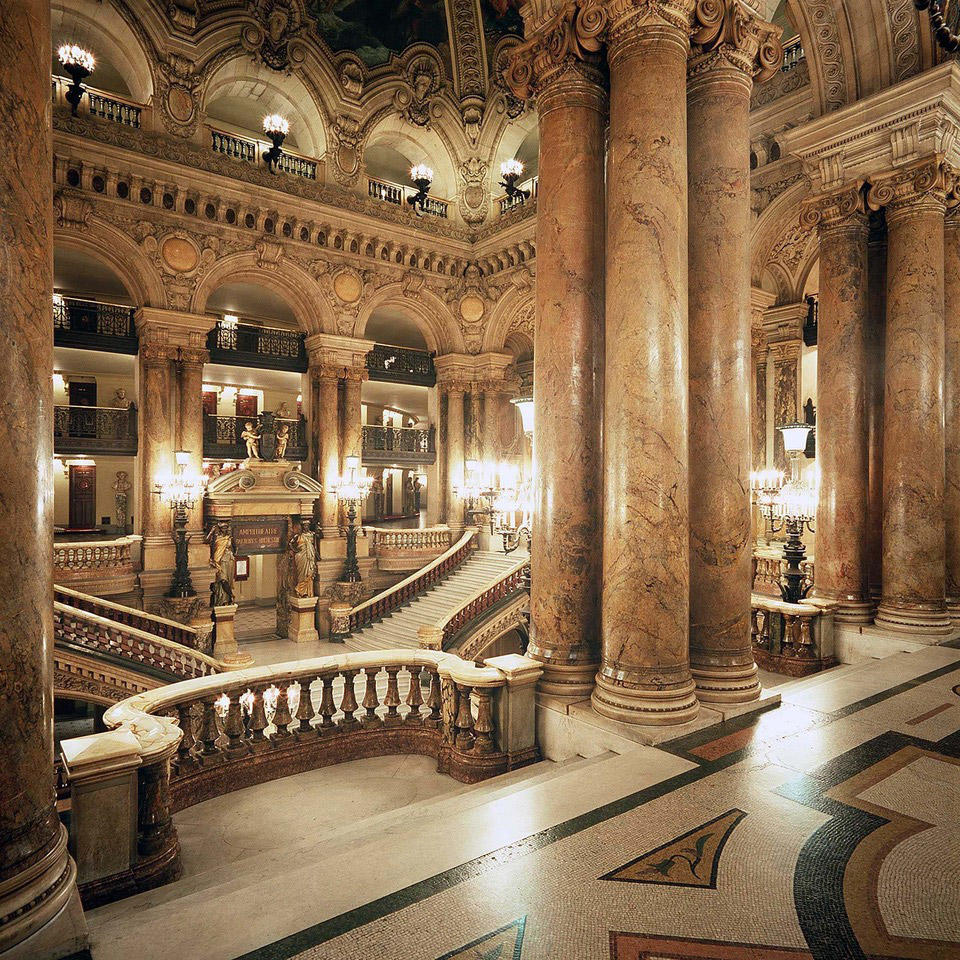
[(795, 436), (525, 406)]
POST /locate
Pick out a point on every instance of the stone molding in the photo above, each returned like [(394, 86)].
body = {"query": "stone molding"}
[(925, 182), (836, 208)]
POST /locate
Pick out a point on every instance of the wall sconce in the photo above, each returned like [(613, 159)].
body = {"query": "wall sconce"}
[(422, 177), (59, 382), (59, 464), (511, 171), (229, 321), (525, 406), (276, 128), (794, 437), (79, 63)]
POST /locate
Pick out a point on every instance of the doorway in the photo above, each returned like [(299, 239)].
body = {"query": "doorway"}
[(83, 496)]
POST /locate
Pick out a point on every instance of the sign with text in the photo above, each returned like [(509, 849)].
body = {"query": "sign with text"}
[(260, 535)]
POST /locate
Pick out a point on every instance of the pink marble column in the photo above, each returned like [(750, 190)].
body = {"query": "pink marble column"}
[(352, 424), (720, 79), (952, 411), (155, 447), (842, 438), (40, 913), (326, 432), (455, 454), (568, 383), (644, 675), (913, 414), (190, 418), (876, 336)]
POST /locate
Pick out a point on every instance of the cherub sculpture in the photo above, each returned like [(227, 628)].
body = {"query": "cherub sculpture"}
[(252, 440)]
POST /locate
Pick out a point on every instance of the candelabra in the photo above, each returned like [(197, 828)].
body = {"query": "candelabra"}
[(79, 63), (511, 171), (276, 128), (477, 486), (352, 489), (181, 492), (512, 517), (422, 177)]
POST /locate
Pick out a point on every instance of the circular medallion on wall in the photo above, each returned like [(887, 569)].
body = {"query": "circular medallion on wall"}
[(179, 254), (471, 308), (180, 103), (348, 285)]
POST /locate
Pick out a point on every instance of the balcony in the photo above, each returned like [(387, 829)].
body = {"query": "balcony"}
[(506, 204), (403, 446), (251, 151), (793, 53), (221, 438), (91, 325), (94, 430), (104, 106), (248, 345), (397, 194), (400, 365)]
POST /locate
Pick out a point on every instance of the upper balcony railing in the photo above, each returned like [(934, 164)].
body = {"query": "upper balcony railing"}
[(222, 440), (793, 53), (396, 194), (90, 430), (249, 345), (401, 365), (98, 104), (92, 325), (508, 203), (401, 445), (251, 151)]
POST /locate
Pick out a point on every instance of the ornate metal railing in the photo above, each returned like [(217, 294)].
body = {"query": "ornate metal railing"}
[(250, 151), (249, 345), (473, 609), (106, 566), (792, 638), (78, 430), (396, 596), (99, 104), (399, 445), (93, 325), (396, 194), (508, 203), (401, 365), (221, 437)]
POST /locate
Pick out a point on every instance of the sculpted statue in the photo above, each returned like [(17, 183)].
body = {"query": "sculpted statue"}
[(304, 560), (283, 438), (283, 411), (223, 563), (120, 398), (121, 492), (416, 493), (252, 440), (378, 496)]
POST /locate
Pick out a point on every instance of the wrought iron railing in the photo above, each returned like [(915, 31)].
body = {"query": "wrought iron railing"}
[(401, 365), (395, 444), (397, 194), (249, 345), (94, 325), (222, 441), (251, 151), (508, 203), (78, 430)]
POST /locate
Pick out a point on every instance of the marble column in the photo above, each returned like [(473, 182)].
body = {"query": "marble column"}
[(155, 448), (644, 675), (455, 454), (326, 443), (952, 411), (842, 437), (786, 386), (876, 335), (913, 413), (568, 378), (492, 393), (352, 424), (190, 418), (758, 398), (719, 82), (40, 915)]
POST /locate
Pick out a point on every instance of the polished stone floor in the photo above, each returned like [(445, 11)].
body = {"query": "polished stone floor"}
[(828, 828)]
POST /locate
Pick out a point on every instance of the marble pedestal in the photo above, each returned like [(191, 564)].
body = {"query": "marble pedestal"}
[(225, 647), (302, 628)]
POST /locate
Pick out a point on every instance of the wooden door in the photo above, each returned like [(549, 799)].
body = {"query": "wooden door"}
[(82, 393), (83, 496)]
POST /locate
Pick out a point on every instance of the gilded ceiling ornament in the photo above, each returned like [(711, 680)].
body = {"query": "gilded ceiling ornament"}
[(178, 95)]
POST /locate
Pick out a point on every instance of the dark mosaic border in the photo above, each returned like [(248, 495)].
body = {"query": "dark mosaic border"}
[(327, 930)]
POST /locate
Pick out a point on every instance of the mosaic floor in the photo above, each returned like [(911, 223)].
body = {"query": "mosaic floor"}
[(828, 828)]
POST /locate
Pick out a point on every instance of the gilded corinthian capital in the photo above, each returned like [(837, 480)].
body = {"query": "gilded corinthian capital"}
[(727, 32)]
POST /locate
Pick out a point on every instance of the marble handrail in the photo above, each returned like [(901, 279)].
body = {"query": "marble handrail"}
[(792, 638), (416, 540), (93, 554)]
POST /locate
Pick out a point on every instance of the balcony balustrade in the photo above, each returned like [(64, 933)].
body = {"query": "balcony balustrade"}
[(405, 446), (92, 325), (397, 194), (104, 567), (506, 204), (795, 639), (94, 430), (249, 345), (221, 437), (793, 53), (401, 365), (251, 151), (98, 104)]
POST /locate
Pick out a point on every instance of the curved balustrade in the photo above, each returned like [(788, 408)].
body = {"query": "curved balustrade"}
[(107, 566), (424, 538), (383, 603), (510, 583), (792, 638), (769, 566)]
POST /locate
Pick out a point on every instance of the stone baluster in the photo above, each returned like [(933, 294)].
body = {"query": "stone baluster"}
[(914, 536), (392, 698), (327, 706), (464, 738), (282, 718), (434, 701), (305, 712), (234, 729), (258, 716), (185, 750), (414, 696), (483, 726), (370, 698), (348, 701), (209, 727), (728, 52)]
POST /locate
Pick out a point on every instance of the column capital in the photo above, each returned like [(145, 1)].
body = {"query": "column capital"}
[(563, 51), (630, 20), (729, 41), (173, 327), (355, 374), (837, 209), (923, 184), (325, 371)]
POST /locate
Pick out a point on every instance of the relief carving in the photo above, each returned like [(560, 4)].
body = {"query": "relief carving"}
[(474, 198)]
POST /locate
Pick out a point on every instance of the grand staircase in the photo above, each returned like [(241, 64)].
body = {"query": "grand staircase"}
[(399, 628)]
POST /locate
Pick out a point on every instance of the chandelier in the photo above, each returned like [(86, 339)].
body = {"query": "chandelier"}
[(276, 128), (79, 63)]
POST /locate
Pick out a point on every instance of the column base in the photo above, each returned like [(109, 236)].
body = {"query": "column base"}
[(645, 705), (953, 609), (302, 628), (850, 608), (571, 680), (727, 684), (928, 619), (46, 917)]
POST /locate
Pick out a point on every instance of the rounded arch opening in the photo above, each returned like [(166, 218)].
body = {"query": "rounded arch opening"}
[(77, 273), (392, 325), (392, 149), (251, 302)]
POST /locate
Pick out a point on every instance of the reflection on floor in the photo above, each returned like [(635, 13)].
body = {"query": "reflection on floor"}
[(825, 829)]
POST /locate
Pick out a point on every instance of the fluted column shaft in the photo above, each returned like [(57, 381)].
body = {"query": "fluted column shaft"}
[(952, 412), (913, 414), (37, 877), (876, 336), (190, 419), (568, 385), (326, 440), (842, 438), (645, 670), (455, 454), (721, 549), (155, 448)]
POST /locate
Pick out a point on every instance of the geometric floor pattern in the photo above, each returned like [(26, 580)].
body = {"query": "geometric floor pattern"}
[(827, 829)]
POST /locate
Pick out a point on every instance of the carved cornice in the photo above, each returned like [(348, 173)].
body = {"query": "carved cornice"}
[(727, 35), (836, 208), (922, 183)]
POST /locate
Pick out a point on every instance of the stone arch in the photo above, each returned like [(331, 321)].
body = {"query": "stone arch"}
[(780, 242), (515, 309), (415, 145), (290, 282), (426, 310), (121, 254)]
